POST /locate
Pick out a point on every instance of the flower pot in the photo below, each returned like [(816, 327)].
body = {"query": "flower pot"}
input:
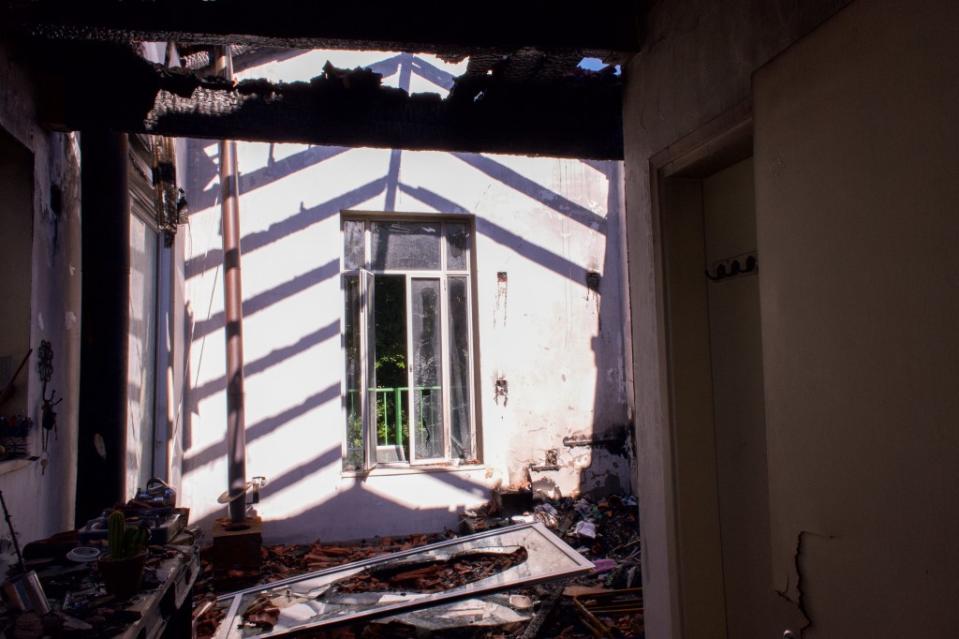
[(122, 576)]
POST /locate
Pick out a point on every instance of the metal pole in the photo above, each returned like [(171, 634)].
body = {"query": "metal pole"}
[(233, 306)]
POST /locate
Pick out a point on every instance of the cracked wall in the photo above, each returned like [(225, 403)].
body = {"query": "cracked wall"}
[(858, 308)]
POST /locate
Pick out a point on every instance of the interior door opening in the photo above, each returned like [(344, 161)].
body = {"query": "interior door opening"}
[(711, 267)]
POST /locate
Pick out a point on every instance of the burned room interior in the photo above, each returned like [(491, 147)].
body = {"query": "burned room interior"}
[(527, 320)]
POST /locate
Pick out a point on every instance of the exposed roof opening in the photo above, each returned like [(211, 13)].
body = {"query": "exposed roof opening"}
[(595, 64)]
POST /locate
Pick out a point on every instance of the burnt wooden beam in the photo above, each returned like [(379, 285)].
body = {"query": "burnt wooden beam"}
[(578, 116), (614, 26)]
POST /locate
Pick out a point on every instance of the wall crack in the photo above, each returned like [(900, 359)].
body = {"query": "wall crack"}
[(799, 600)]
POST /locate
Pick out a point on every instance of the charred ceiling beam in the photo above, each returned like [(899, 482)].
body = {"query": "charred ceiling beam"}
[(107, 87), (612, 27)]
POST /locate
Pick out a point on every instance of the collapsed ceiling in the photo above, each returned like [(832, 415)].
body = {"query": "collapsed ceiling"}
[(523, 90)]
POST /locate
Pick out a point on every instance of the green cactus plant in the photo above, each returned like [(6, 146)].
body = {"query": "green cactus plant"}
[(124, 542)]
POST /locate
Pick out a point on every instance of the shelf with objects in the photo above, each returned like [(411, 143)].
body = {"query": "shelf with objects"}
[(62, 586)]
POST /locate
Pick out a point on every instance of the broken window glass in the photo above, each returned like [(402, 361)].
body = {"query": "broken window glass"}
[(459, 362), (354, 244), (457, 246), (352, 399), (430, 442), (405, 245), (451, 570)]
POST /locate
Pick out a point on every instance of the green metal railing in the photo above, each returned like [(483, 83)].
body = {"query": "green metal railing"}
[(384, 396)]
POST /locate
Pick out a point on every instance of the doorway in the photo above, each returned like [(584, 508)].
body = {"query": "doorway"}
[(710, 272)]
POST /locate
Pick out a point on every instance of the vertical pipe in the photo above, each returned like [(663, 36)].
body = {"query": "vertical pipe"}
[(105, 322), (233, 306)]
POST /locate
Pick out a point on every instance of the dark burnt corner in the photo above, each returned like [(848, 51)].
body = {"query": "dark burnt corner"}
[(420, 26)]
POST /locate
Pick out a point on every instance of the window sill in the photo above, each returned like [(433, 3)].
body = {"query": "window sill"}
[(385, 471), (13, 465)]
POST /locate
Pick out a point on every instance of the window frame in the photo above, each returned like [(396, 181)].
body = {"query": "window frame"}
[(441, 275), (143, 207)]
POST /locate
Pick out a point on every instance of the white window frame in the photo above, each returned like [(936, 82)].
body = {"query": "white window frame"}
[(442, 275), (142, 207)]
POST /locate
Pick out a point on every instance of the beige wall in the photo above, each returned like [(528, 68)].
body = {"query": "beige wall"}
[(856, 229), (856, 193), (737, 380), (699, 548), (696, 65)]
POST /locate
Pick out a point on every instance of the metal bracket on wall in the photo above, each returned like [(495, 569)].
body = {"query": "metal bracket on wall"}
[(742, 264)]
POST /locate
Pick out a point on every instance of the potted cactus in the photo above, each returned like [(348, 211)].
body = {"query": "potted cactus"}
[(122, 568)]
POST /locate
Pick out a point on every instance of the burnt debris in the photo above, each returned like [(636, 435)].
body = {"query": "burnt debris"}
[(107, 86)]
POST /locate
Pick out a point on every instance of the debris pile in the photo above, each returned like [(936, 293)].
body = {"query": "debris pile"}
[(286, 560), (295, 559), (605, 531), (261, 613), (434, 576), (607, 602)]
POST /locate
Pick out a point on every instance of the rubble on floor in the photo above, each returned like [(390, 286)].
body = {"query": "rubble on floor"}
[(285, 560), (435, 576), (605, 531), (607, 602)]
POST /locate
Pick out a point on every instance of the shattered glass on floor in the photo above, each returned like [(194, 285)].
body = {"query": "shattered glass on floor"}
[(487, 562)]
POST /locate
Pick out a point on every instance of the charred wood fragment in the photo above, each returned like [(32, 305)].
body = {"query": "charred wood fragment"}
[(577, 116)]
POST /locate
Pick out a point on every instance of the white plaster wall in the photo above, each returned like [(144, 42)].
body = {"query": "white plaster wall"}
[(545, 222), (43, 503)]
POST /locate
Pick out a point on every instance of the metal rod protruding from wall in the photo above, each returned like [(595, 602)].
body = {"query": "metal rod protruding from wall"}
[(233, 305)]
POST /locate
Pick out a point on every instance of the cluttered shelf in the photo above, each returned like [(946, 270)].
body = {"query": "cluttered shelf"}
[(127, 574)]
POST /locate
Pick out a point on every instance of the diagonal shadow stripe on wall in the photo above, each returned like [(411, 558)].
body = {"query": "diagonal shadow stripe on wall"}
[(297, 474), (433, 74), (603, 166), (528, 187), (434, 200), (263, 427), (273, 171), (269, 297), (293, 224), (274, 357), (388, 66), (533, 252)]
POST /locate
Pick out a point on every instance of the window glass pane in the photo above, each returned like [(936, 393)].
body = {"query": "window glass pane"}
[(460, 435), (457, 246), (389, 395), (141, 357), (405, 245), (427, 368), (354, 372), (353, 244)]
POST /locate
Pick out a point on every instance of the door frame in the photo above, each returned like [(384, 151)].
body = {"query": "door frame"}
[(718, 144)]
